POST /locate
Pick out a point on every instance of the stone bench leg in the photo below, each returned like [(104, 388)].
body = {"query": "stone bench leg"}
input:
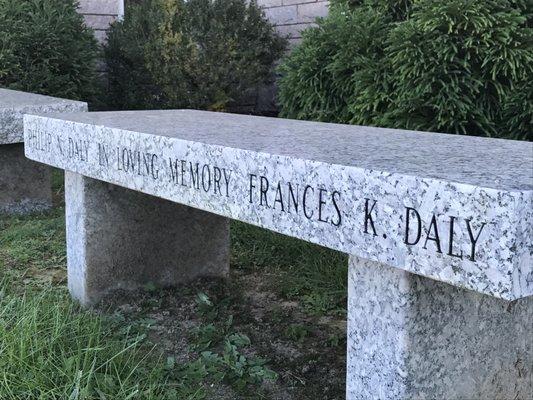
[(122, 239), (411, 337), (25, 186)]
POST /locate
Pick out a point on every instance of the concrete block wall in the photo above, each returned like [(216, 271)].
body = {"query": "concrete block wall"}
[(99, 14), (291, 17)]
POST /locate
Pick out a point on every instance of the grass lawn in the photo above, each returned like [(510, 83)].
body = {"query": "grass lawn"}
[(275, 330)]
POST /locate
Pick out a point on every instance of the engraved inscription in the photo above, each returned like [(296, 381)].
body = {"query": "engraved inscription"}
[(302, 199)]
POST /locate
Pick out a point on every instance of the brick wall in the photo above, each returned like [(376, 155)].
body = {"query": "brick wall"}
[(289, 16), (98, 14), (292, 16)]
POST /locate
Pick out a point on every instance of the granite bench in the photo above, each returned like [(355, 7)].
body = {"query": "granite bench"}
[(438, 228), (24, 185)]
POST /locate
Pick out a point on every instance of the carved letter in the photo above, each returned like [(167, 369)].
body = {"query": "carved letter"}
[(216, 179), (279, 198), (321, 202), (368, 216), (295, 199), (227, 176), (252, 186), (419, 223), (335, 204), (263, 189), (183, 169), (195, 175), (206, 168), (305, 202), (450, 244), (155, 170), (473, 240), (433, 226)]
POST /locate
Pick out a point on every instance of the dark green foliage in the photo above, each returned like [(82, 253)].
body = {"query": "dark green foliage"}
[(456, 65), (518, 110), (195, 54), (459, 66), (397, 9), (46, 48), (336, 74)]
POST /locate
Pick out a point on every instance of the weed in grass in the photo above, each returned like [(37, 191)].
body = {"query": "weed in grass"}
[(297, 332), (150, 287), (277, 314), (223, 350), (335, 340), (205, 336), (205, 306)]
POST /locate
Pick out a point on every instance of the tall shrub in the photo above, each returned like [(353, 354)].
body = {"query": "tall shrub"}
[(336, 74), (189, 54), (46, 48), (459, 66)]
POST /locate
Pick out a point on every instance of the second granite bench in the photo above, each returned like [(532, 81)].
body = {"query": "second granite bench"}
[(25, 185), (438, 229)]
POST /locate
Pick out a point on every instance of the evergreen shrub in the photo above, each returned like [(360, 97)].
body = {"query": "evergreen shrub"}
[(203, 54), (456, 66), (46, 48)]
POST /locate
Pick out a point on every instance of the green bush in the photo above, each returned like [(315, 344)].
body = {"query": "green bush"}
[(459, 66), (335, 71), (189, 54), (46, 48)]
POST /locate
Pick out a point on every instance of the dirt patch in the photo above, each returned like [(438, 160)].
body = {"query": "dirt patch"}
[(307, 352)]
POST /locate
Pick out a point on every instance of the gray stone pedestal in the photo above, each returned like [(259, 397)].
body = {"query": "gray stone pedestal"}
[(411, 337), (24, 184), (122, 239)]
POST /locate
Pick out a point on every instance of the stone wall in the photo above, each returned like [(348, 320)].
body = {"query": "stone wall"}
[(98, 14), (291, 17)]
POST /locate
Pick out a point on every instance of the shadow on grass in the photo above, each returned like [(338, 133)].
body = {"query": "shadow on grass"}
[(315, 275)]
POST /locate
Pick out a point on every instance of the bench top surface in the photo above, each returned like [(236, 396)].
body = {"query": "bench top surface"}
[(453, 208), (491, 163), (17, 99), (14, 103)]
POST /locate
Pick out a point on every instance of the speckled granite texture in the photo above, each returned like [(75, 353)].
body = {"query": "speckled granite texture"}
[(452, 208), (121, 239), (410, 337), (14, 104), (24, 184)]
